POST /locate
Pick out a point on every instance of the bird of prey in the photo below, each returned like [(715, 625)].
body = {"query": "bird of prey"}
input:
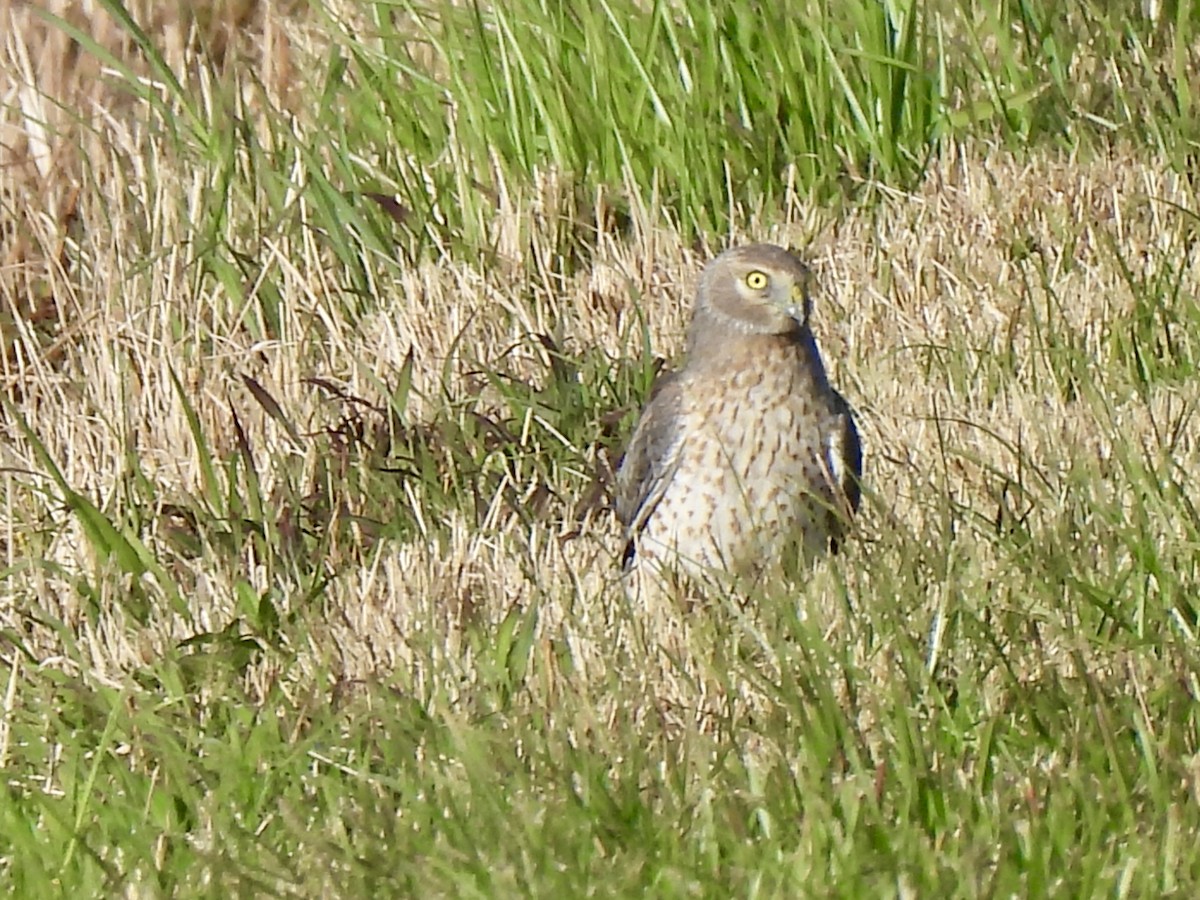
[(746, 458)]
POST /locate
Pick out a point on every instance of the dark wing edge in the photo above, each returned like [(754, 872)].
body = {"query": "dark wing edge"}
[(844, 459), (649, 462)]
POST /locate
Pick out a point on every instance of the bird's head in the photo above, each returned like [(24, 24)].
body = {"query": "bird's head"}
[(756, 289)]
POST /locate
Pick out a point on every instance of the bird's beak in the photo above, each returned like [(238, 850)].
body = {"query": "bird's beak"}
[(797, 306)]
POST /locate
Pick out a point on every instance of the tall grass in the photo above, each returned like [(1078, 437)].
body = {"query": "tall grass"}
[(308, 587), (709, 110)]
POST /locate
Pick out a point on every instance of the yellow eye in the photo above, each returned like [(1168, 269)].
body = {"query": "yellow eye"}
[(756, 280)]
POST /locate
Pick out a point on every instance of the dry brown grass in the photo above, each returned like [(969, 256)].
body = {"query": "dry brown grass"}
[(98, 306)]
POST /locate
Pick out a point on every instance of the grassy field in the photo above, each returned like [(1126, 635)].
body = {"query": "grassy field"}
[(323, 324)]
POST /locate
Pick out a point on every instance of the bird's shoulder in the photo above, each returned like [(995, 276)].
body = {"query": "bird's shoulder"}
[(653, 448), (844, 459)]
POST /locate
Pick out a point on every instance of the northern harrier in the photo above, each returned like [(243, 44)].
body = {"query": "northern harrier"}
[(747, 456)]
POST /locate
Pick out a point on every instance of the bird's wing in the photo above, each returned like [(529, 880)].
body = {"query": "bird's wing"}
[(843, 457), (651, 458)]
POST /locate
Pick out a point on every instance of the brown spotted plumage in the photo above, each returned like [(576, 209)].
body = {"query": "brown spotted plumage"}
[(747, 455)]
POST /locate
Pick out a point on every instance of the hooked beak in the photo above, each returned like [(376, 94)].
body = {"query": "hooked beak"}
[(800, 305)]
